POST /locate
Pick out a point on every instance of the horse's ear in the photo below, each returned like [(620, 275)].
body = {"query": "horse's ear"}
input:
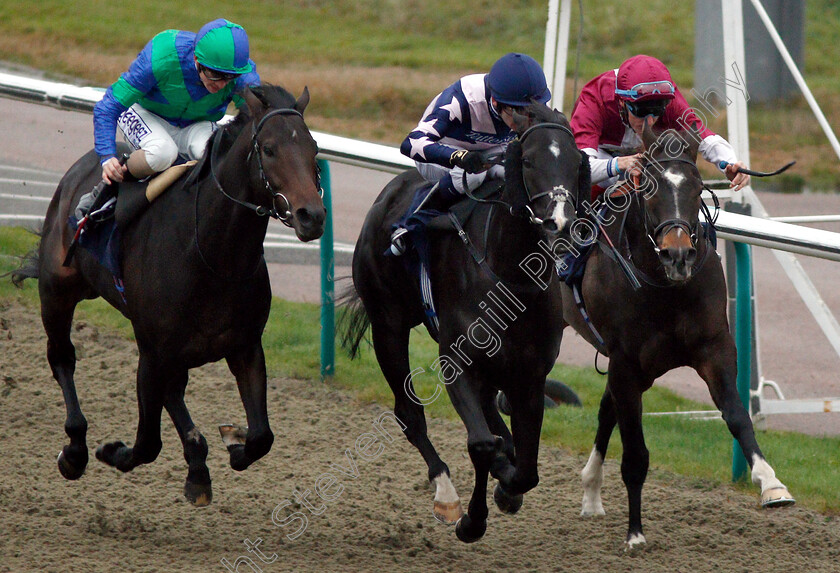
[(694, 140), (303, 100), (648, 136), (520, 122), (255, 104)]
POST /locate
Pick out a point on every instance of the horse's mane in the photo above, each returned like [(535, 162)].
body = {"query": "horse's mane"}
[(541, 113), (673, 143), (271, 96)]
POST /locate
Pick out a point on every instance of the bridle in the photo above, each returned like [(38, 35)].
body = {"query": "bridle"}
[(556, 192), (666, 226), (284, 216)]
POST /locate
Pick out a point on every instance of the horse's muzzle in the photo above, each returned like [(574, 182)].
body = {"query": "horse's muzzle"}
[(308, 222), (678, 262)]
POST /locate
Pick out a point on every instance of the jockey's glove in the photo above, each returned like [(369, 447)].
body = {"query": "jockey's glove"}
[(469, 161)]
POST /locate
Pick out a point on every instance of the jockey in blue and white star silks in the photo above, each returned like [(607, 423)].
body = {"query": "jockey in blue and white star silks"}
[(473, 114)]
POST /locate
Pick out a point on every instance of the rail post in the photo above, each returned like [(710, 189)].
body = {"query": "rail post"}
[(327, 280), (743, 343)]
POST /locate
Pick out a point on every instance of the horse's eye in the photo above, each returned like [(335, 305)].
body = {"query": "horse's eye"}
[(527, 164), (268, 152)]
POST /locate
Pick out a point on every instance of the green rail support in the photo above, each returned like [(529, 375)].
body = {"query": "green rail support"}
[(327, 281), (743, 342)]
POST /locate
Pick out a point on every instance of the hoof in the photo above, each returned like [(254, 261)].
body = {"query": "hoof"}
[(233, 435), (468, 531), (635, 541), (448, 513), (198, 494), (106, 452), (507, 503), (72, 471), (776, 497)]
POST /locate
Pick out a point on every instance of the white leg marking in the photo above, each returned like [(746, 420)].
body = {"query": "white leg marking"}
[(592, 477), (448, 508), (635, 540), (773, 492), (763, 475), (444, 490)]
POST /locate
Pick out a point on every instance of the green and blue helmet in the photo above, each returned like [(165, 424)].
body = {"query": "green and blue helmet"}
[(222, 45)]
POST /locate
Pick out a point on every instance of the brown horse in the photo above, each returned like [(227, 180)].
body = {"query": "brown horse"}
[(196, 287), (498, 328), (675, 316)]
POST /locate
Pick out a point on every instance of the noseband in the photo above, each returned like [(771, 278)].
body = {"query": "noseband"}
[(286, 215)]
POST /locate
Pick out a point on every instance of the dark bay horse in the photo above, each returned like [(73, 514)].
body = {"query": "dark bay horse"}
[(196, 287), (498, 328), (677, 317)]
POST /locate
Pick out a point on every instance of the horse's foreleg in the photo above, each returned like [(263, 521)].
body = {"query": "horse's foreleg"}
[(57, 316), (625, 383), (197, 488), (592, 475), (150, 395), (390, 343), (483, 449), (248, 366), (718, 367), (527, 407)]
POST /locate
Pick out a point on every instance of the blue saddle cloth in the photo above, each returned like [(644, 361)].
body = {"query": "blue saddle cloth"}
[(102, 240)]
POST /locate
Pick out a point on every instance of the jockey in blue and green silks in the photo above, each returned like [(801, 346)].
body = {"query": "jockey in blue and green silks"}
[(168, 101)]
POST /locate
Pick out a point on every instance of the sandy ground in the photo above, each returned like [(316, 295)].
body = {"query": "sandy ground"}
[(382, 519)]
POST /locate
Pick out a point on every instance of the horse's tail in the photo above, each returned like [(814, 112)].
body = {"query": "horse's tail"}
[(353, 322), (28, 268)]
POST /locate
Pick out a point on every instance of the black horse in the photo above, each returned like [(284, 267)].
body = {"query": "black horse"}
[(196, 287), (499, 314), (676, 317)]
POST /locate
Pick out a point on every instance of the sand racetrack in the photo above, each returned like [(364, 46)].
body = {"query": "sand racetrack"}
[(382, 519)]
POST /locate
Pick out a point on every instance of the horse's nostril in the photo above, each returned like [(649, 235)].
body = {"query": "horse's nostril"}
[(550, 225), (310, 217), (691, 256)]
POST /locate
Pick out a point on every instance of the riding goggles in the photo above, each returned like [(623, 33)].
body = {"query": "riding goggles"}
[(215, 75), (654, 107), (663, 88)]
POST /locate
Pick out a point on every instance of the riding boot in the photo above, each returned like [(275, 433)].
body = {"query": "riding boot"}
[(94, 200), (439, 198)]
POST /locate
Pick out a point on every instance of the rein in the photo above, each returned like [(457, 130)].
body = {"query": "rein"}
[(531, 198), (258, 209), (630, 270)]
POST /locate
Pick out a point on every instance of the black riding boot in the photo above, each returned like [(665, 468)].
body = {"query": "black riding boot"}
[(440, 198)]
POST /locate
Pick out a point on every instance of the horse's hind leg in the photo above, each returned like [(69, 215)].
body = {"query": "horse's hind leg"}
[(390, 343), (248, 367), (151, 391), (197, 488), (718, 367), (592, 475), (57, 307)]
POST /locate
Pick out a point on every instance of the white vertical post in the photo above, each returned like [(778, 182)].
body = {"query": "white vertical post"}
[(737, 95), (800, 81), (557, 48)]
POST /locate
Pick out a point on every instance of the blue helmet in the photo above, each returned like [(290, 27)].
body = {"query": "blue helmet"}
[(516, 79), (223, 46)]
